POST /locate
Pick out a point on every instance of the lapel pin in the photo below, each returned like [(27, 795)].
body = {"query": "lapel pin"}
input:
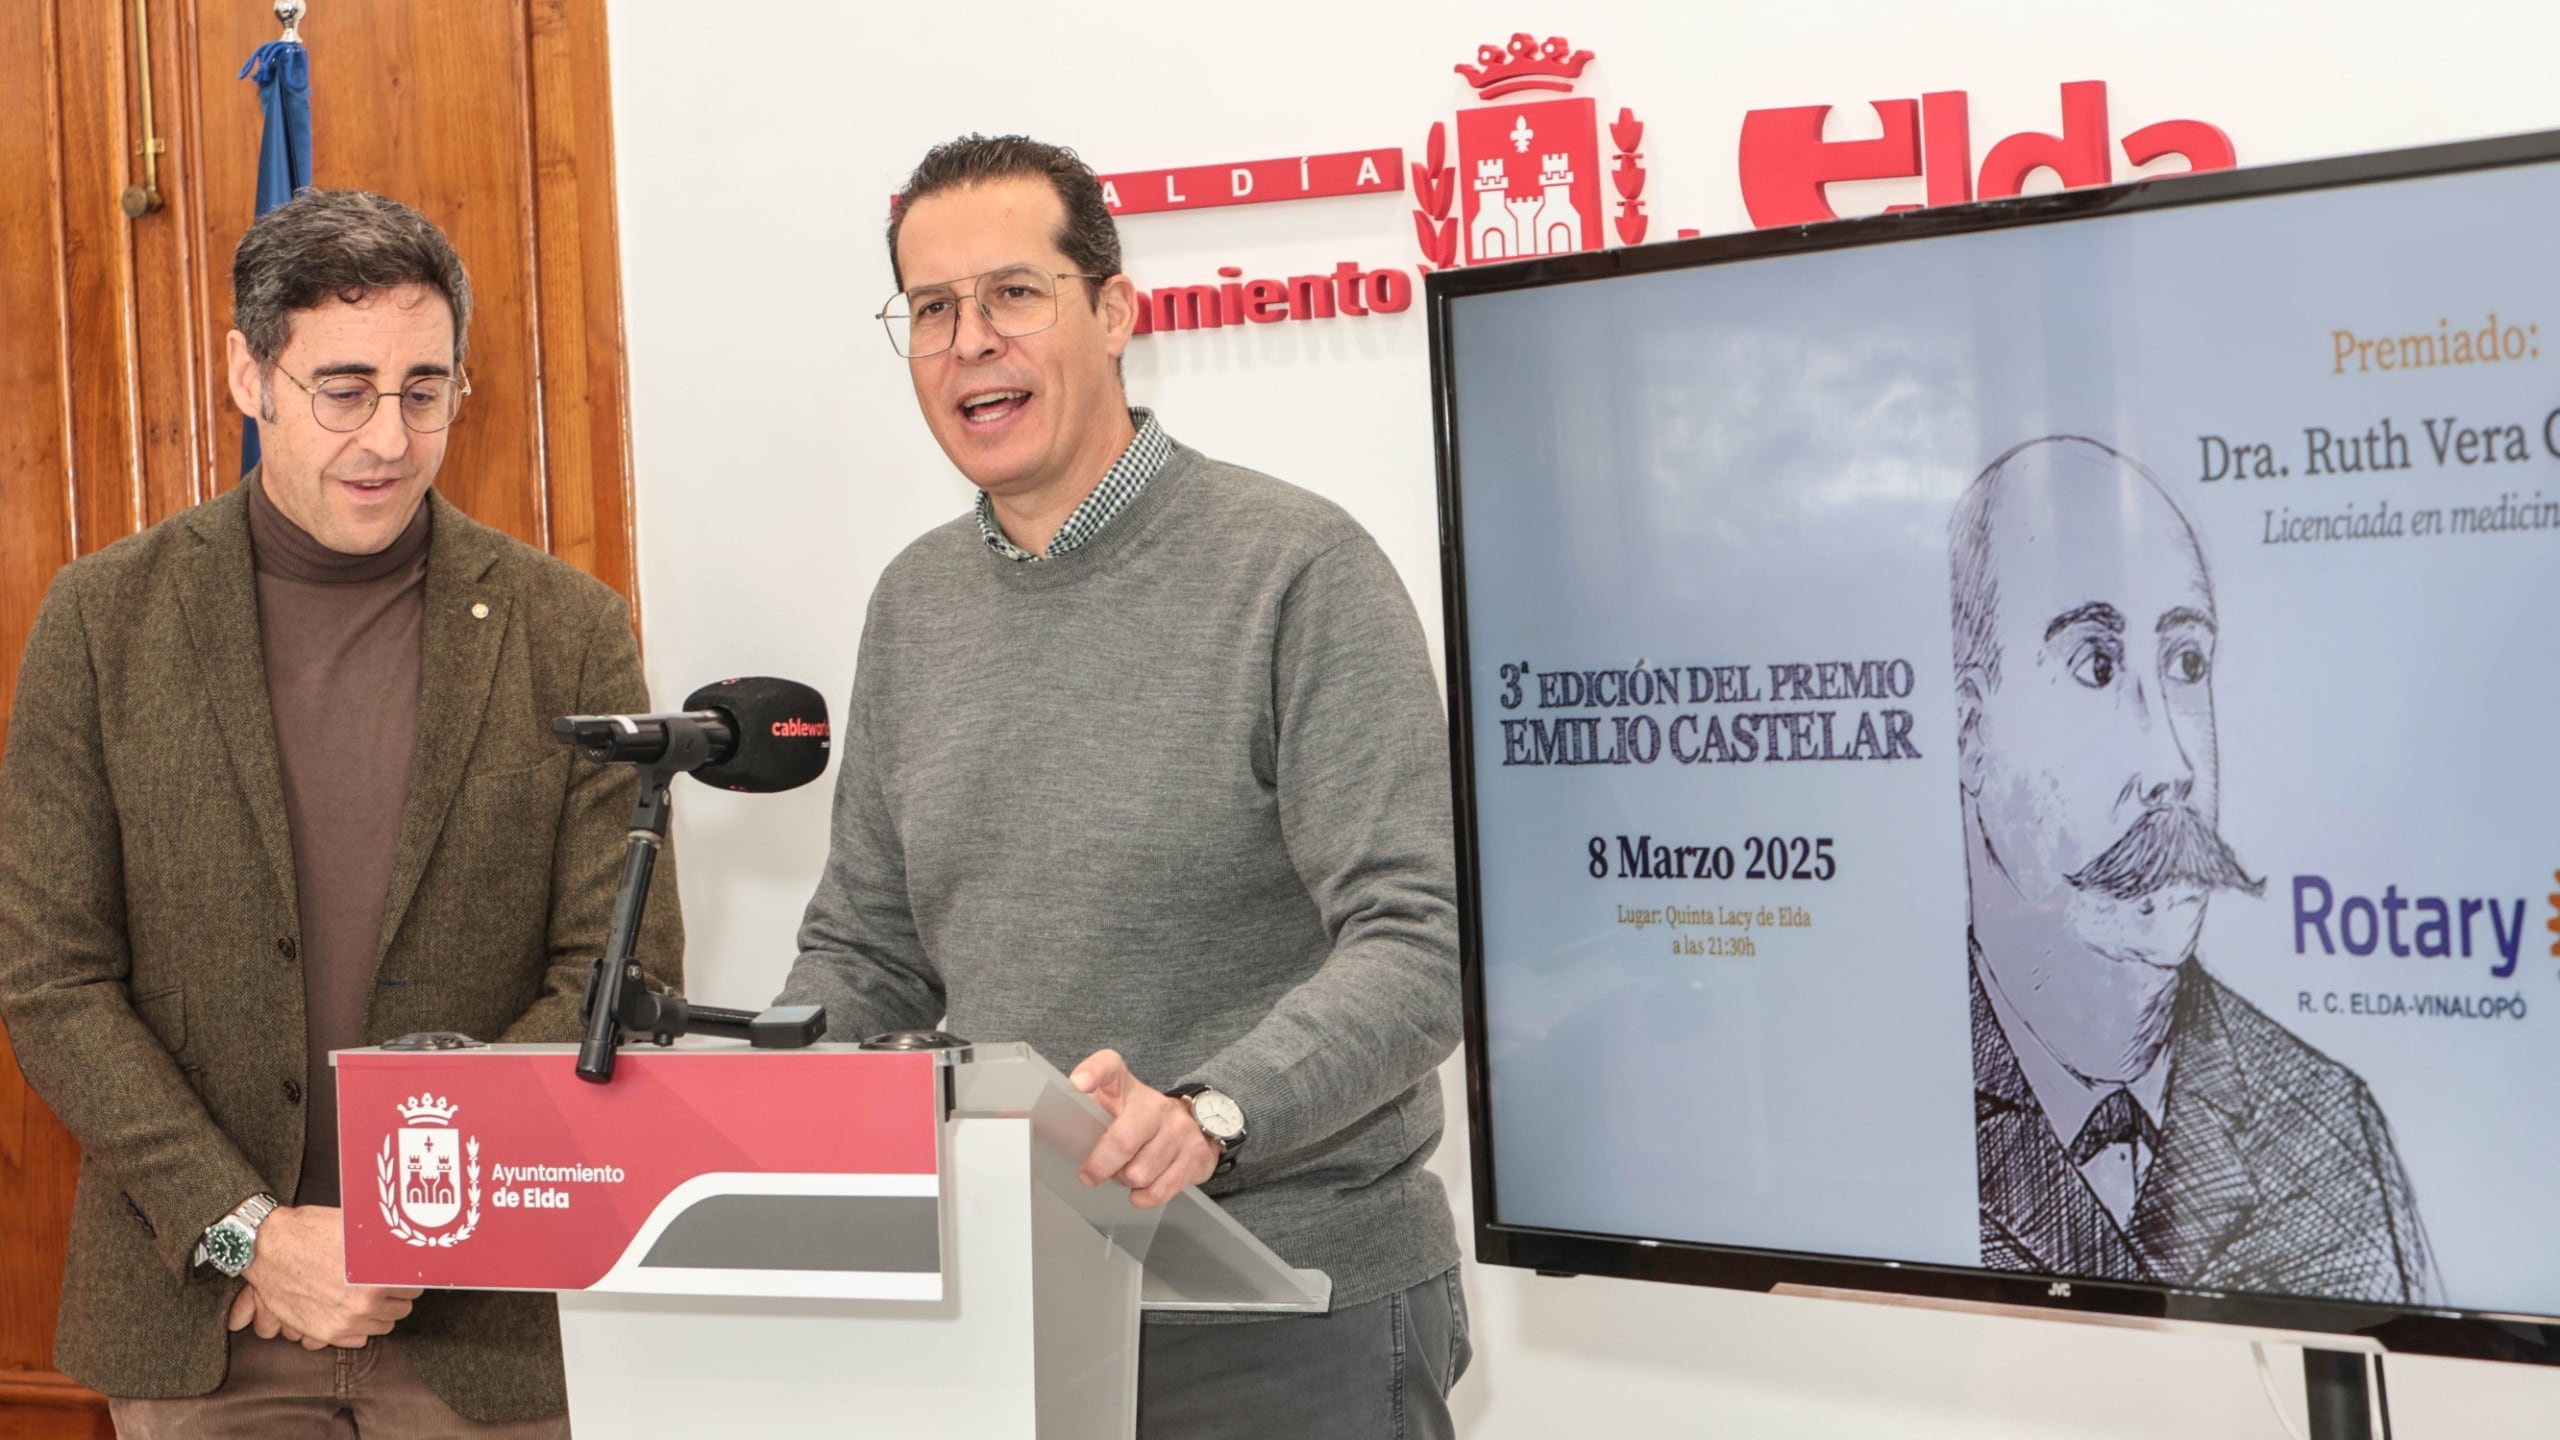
[(480, 610)]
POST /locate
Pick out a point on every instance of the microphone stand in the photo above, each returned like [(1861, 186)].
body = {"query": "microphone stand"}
[(618, 995)]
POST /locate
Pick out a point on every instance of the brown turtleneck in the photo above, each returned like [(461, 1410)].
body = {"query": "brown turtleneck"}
[(341, 639)]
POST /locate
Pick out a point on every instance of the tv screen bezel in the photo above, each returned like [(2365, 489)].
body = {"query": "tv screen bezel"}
[(2445, 1331)]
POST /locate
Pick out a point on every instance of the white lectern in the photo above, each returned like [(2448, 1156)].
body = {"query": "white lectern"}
[(827, 1241)]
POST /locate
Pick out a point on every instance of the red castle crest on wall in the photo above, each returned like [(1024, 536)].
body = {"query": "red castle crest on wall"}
[(1527, 181)]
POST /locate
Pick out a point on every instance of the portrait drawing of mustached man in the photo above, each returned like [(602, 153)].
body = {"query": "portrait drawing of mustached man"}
[(2134, 1118)]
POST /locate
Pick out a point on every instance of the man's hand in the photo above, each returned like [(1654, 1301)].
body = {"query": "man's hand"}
[(299, 1280), (1153, 1146), (249, 1312)]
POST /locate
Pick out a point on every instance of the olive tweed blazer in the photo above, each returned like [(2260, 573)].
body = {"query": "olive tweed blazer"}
[(149, 970)]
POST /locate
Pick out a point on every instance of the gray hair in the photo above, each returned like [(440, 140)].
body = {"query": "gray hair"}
[(338, 245)]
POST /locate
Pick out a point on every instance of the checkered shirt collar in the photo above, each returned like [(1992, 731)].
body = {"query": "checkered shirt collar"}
[(1120, 485)]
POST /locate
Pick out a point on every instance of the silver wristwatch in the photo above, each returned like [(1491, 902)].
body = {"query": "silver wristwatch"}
[(232, 1242), (1219, 1118)]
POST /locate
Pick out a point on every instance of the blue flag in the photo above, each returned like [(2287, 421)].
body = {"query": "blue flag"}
[(283, 71)]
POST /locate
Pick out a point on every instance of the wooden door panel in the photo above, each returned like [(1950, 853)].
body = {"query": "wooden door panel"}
[(38, 533), (98, 266), (43, 1406), (173, 394), (585, 414), (35, 472)]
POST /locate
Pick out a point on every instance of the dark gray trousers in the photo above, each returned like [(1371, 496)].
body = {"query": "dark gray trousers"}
[(1380, 1371)]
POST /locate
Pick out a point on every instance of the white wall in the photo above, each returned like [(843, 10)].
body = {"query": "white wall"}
[(781, 464)]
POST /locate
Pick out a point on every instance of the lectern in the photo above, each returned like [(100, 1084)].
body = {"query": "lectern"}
[(828, 1241)]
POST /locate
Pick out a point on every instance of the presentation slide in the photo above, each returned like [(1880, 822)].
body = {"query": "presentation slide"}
[(2036, 750)]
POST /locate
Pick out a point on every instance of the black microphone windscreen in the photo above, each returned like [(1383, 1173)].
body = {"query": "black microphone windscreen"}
[(782, 733)]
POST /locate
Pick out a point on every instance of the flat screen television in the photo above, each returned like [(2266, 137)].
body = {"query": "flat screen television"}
[(2011, 753)]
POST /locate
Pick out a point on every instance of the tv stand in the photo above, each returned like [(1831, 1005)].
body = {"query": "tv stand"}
[(2340, 1401)]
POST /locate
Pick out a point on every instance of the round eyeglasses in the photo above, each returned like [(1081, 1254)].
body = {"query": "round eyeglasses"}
[(1017, 300), (345, 403)]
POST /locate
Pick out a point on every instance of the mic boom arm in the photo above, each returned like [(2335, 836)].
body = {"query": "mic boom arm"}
[(622, 738), (618, 995)]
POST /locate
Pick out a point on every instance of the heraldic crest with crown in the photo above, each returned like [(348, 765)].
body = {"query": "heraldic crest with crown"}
[(429, 1176), (1527, 177)]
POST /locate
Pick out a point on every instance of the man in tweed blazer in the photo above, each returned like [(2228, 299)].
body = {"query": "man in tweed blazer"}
[(2134, 1118), (279, 780)]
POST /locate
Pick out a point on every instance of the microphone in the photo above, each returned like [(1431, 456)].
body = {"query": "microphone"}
[(756, 734)]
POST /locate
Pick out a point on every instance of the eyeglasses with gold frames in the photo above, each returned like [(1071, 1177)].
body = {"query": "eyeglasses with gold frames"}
[(345, 403), (1015, 301)]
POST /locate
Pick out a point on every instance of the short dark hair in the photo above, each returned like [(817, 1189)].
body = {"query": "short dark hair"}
[(1090, 238), (342, 245)]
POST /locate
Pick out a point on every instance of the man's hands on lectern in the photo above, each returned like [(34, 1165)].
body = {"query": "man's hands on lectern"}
[(298, 1285), (1154, 1146)]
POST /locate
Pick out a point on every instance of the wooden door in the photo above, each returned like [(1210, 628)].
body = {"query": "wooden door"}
[(491, 116)]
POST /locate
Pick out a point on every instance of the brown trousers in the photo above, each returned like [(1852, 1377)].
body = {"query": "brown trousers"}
[(279, 1391)]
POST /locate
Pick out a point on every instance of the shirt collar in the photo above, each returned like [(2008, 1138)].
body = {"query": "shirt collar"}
[(1128, 476), (2065, 1097)]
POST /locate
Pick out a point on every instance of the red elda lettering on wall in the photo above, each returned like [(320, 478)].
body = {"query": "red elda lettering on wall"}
[(1785, 162), (1526, 179)]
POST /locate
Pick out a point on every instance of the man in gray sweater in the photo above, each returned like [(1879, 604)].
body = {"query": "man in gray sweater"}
[(1144, 765)]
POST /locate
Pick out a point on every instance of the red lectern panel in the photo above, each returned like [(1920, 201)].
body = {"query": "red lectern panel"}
[(732, 1172)]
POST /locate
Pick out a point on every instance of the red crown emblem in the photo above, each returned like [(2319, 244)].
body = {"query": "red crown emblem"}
[(1527, 64)]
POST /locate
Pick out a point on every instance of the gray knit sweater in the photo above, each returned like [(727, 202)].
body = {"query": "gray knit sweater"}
[(1184, 793)]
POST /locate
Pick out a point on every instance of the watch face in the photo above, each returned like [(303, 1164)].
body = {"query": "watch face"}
[(227, 1248), (1218, 1115)]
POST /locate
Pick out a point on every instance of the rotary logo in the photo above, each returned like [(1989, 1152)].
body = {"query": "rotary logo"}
[(429, 1176), (1527, 181)]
